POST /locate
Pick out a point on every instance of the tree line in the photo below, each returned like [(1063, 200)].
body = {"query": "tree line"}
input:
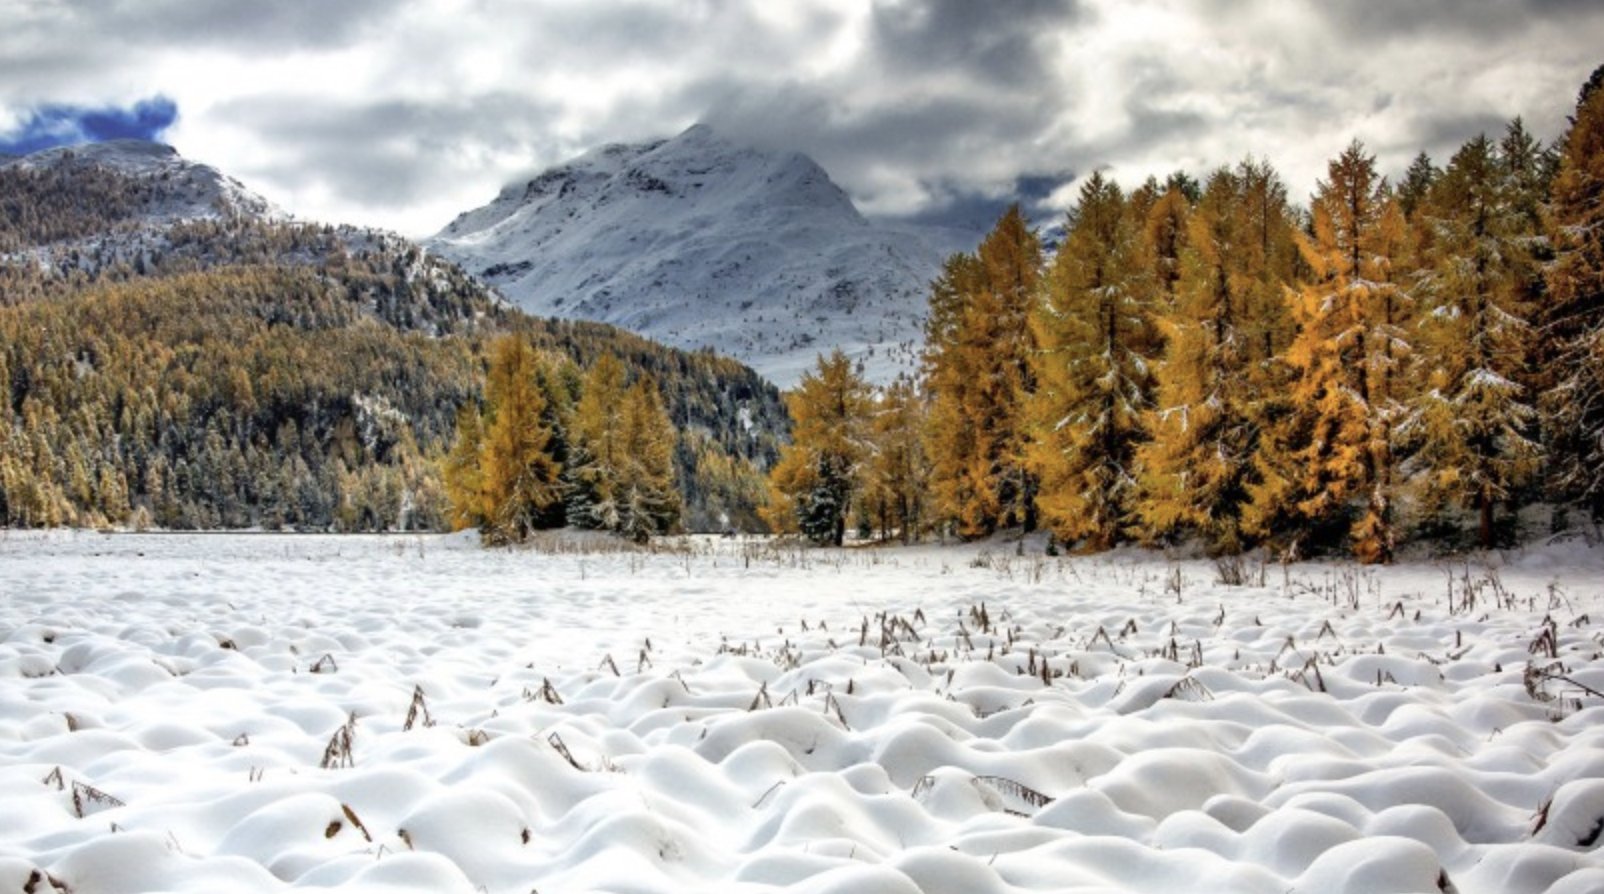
[(1204, 361)]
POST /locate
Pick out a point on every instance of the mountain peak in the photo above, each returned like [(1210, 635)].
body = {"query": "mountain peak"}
[(699, 240), (185, 189)]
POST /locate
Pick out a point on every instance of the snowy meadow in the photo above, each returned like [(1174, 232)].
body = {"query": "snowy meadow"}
[(261, 713)]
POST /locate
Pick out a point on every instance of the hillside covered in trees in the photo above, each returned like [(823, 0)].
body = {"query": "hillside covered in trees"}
[(236, 370), (1207, 362)]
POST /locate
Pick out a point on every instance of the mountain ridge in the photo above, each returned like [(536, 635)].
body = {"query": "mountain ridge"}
[(700, 241)]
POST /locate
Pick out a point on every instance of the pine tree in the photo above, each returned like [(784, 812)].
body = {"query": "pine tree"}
[(1328, 464), (977, 371), (820, 472), (1204, 424), (1471, 415), (1097, 344), (1573, 405)]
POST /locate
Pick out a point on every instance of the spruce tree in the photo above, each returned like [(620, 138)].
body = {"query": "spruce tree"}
[(1097, 345)]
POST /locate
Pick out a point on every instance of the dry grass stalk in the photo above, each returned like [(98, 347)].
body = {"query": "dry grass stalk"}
[(761, 699), (338, 752), (357, 822), (1015, 789), (325, 665), (87, 799), (557, 743), (419, 709), (1188, 689)]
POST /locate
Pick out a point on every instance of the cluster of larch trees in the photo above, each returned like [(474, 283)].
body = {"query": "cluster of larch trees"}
[(550, 446), (1204, 361)]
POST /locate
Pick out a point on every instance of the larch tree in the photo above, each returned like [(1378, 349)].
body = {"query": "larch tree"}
[(979, 375), (1573, 327), (1097, 344), (648, 493), (460, 475), (1471, 415), (1204, 426), (1328, 464), (594, 471), (895, 497), (1164, 235), (519, 483), (819, 474)]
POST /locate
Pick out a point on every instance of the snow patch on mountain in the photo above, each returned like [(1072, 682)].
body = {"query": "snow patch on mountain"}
[(698, 241)]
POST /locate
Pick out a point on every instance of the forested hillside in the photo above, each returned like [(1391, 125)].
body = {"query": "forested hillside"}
[(1207, 362), (234, 370)]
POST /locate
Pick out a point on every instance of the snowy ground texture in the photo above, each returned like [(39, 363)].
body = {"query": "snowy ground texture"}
[(257, 713)]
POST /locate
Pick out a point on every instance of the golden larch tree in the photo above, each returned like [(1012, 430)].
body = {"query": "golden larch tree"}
[(1093, 368)]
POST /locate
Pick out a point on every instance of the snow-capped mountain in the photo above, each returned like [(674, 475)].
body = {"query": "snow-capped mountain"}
[(179, 189), (699, 241)]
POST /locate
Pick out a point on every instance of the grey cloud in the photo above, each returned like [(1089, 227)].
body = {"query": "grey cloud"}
[(69, 51), (1477, 19), (252, 25), (388, 154), (1002, 43)]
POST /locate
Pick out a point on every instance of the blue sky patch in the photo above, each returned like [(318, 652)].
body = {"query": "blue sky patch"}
[(58, 124)]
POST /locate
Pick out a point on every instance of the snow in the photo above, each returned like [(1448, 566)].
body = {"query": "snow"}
[(732, 715), (699, 241)]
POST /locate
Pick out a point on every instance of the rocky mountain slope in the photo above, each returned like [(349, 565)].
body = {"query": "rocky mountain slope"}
[(699, 241)]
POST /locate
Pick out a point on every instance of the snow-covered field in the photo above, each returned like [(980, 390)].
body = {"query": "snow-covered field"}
[(249, 713)]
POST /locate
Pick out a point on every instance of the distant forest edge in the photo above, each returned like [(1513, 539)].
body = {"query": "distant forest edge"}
[(238, 372), (1204, 362)]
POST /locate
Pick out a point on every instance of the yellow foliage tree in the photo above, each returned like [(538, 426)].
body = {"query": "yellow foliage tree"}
[(1328, 464), (978, 374), (1204, 422), (518, 475), (1097, 344), (820, 472)]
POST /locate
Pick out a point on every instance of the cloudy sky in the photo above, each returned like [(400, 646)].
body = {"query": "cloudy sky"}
[(402, 113)]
